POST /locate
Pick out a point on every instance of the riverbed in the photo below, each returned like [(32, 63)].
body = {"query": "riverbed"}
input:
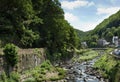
[(83, 72)]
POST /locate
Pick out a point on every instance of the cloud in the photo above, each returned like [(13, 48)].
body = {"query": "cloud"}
[(79, 24), (70, 17), (86, 26), (75, 4), (91, 4), (107, 11), (82, 25), (114, 1)]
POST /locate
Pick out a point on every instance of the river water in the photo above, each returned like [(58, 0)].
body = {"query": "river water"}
[(81, 72)]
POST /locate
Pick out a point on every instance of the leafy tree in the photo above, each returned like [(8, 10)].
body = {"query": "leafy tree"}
[(37, 23), (11, 55), (20, 16)]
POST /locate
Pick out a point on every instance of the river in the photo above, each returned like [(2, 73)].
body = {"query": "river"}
[(83, 72)]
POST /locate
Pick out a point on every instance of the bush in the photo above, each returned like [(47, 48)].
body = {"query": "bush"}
[(54, 78), (61, 72), (3, 77), (43, 72), (30, 80), (11, 55), (15, 76), (46, 65)]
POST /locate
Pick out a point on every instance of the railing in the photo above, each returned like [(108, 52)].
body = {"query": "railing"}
[(99, 48)]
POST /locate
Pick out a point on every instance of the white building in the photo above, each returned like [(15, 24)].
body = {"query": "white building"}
[(84, 44), (115, 40), (116, 52)]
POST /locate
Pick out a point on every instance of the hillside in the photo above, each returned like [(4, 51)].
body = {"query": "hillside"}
[(81, 34), (109, 27)]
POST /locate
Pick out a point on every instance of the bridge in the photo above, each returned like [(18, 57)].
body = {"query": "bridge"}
[(98, 48)]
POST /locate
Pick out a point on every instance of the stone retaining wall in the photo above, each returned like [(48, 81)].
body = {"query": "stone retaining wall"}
[(28, 59)]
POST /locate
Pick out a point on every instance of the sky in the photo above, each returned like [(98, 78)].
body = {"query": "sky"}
[(85, 15)]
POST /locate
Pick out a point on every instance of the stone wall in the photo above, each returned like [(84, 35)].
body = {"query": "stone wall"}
[(2, 63), (28, 59)]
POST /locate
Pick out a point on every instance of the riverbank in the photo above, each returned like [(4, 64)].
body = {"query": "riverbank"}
[(83, 72), (80, 68), (109, 67), (84, 55), (46, 72)]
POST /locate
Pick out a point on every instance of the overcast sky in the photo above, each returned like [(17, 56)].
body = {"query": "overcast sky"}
[(86, 14)]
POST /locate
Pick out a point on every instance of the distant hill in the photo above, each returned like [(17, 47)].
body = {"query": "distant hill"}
[(108, 27), (81, 34)]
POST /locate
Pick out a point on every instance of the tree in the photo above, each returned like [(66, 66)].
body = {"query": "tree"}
[(11, 54), (17, 17)]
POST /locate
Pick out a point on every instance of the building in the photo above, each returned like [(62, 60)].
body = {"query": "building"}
[(119, 43), (84, 44), (115, 41), (116, 52), (103, 42)]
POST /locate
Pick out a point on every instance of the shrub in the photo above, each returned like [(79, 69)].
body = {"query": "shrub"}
[(11, 55), (54, 78), (46, 65), (3, 77), (61, 72), (30, 80), (43, 72), (15, 76)]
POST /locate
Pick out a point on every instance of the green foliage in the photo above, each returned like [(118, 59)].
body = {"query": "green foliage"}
[(36, 23), (39, 73), (29, 37), (20, 16), (30, 80), (109, 67), (11, 54), (61, 72), (108, 28), (82, 35), (46, 65), (3, 77), (15, 77), (84, 55)]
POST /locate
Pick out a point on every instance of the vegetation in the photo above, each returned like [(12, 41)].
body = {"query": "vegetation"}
[(14, 77), (106, 29), (11, 54), (108, 66), (45, 72), (3, 77), (84, 55), (41, 23), (36, 23), (82, 35)]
